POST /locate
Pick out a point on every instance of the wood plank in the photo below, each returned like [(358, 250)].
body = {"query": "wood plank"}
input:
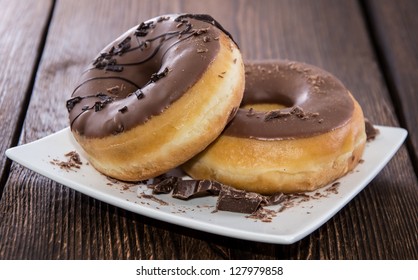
[(395, 24), (22, 25), (42, 219)]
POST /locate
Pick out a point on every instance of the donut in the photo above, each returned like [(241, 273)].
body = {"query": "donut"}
[(157, 95), (298, 129)]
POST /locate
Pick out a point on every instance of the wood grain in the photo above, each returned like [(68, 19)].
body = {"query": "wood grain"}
[(44, 220), (395, 24), (22, 25)]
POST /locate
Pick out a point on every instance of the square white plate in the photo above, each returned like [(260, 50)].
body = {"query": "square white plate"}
[(286, 227)]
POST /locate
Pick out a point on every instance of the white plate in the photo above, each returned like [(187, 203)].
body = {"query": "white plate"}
[(285, 227)]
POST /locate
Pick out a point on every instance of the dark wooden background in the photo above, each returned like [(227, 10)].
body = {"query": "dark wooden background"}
[(44, 45)]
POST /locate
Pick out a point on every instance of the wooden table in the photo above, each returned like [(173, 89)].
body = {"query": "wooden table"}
[(372, 46)]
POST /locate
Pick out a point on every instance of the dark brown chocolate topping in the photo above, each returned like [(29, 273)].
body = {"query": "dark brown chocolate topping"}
[(316, 102), (142, 73)]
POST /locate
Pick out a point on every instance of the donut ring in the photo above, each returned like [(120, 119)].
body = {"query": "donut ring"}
[(157, 96), (316, 138)]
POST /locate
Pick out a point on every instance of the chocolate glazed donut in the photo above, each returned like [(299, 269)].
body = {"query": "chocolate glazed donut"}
[(314, 135), (139, 94)]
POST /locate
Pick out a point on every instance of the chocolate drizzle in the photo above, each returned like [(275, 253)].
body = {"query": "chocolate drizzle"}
[(134, 64), (315, 102)]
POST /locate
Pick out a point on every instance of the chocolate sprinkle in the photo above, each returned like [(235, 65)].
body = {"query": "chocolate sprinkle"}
[(139, 94), (156, 76)]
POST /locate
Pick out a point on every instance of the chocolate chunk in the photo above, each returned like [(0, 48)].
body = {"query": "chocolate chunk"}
[(371, 131), (275, 115), (234, 200), (166, 185), (186, 189)]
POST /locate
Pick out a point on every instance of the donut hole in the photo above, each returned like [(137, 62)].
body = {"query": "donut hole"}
[(265, 107)]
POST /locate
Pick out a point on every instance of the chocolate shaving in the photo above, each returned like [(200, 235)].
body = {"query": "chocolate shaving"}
[(263, 214), (250, 112), (275, 199), (124, 109), (200, 31), (105, 99), (153, 198), (72, 102), (296, 111), (122, 46), (139, 94), (163, 18), (98, 106), (142, 29), (206, 39), (333, 188), (276, 114), (156, 76), (73, 161), (104, 60)]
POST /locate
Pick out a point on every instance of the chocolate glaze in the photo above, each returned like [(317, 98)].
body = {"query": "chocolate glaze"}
[(142, 73), (316, 102)]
